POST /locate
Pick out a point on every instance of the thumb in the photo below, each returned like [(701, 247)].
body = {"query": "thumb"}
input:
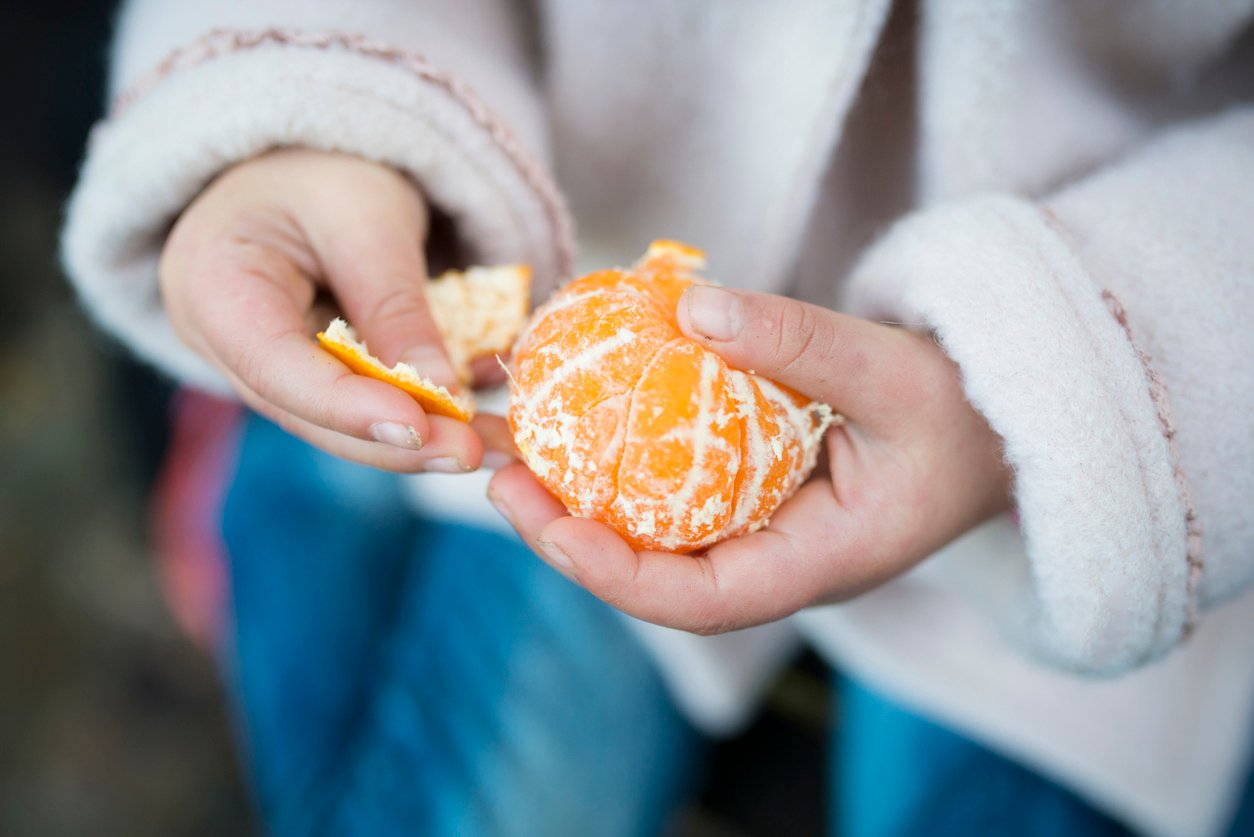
[(825, 355), (379, 277)]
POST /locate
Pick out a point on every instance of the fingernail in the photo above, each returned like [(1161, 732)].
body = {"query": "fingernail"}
[(713, 312), (555, 556), (496, 459), (396, 434), (446, 465)]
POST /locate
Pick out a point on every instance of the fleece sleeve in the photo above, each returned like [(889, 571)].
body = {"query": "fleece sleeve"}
[(445, 92), (1105, 333)]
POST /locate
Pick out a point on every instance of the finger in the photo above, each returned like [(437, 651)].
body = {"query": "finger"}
[(855, 365), (498, 440), (679, 591), (812, 552), (247, 308), (375, 265), (524, 502), (451, 446), (488, 371)]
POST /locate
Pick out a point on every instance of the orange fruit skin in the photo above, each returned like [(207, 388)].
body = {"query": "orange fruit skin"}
[(478, 312), (431, 397), (628, 422)]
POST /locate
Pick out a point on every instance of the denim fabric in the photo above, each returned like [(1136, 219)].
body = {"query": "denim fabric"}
[(896, 774), (899, 775), (394, 676)]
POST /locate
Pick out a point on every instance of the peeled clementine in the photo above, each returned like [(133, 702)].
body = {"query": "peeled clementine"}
[(628, 422)]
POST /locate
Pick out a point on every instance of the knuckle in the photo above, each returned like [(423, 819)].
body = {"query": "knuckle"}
[(710, 624), (803, 337), (252, 259), (401, 304), (920, 375), (250, 368), (711, 615)]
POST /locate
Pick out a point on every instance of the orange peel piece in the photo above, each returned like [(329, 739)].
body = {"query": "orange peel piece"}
[(478, 312), (341, 341)]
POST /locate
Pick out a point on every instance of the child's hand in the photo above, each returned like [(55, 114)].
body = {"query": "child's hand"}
[(913, 467), (274, 248)]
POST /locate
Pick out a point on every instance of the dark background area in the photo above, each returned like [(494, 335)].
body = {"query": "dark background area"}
[(111, 721)]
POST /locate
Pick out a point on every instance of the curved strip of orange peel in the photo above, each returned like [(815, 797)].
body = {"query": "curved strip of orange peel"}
[(479, 312)]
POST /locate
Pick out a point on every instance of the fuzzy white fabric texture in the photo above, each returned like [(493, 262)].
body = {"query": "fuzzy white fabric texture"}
[(1052, 371), (1105, 575), (231, 97), (1073, 206), (1167, 231), (669, 149)]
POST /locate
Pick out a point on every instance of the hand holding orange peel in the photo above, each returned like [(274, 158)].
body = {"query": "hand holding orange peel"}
[(478, 312)]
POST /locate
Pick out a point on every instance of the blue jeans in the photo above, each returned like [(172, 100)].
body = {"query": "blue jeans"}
[(895, 774), (394, 676)]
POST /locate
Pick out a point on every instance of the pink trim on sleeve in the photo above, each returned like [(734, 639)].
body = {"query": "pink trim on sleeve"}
[(221, 42), (1162, 406)]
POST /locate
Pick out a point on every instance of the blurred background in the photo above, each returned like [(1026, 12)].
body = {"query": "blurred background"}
[(111, 721)]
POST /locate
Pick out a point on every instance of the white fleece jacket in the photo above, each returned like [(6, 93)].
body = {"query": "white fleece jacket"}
[(1061, 191)]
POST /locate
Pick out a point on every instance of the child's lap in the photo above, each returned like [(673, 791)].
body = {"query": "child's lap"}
[(896, 773), (394, 675)]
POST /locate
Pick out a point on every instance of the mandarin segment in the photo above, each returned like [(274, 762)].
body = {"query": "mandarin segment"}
[(776, 451), (628, 422), (682, 452), (590, 480)]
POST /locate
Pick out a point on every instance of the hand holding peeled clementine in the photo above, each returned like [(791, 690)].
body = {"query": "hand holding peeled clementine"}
[(629, 422), (912, 467)]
